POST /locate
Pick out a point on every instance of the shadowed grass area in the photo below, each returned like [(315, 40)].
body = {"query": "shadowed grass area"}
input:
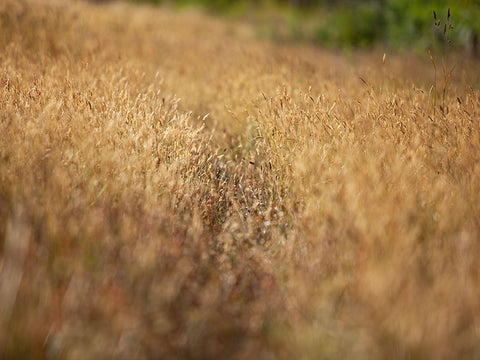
[(173, 187)]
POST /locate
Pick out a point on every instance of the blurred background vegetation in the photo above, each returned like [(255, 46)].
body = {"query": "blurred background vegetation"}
[(342, 23)]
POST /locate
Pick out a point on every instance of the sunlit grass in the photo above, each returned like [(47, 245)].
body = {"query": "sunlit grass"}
[(173, 187)]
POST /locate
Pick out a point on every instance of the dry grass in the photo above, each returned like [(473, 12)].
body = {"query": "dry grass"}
[(312, 214)]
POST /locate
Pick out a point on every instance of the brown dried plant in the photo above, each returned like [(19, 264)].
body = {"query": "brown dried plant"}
[(309, 215), (447, 26)]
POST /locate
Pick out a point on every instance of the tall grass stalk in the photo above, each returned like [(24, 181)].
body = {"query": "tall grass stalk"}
[(447, 26)]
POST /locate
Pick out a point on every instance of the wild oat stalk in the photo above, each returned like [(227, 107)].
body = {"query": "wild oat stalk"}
[(447, 26), (434, 81)]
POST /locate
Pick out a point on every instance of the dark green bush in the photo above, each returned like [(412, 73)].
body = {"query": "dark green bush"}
[(352, 26)]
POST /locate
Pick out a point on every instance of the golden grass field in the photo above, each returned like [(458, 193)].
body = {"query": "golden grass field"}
[(173, 186)]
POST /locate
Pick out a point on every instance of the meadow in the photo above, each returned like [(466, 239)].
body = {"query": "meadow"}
[(174, 186)]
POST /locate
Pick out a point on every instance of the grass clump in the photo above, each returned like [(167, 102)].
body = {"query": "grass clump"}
[(317, 211)]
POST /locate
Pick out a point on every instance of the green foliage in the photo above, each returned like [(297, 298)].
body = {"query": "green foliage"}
[(398, 23), (363, 23), (360, 25)]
